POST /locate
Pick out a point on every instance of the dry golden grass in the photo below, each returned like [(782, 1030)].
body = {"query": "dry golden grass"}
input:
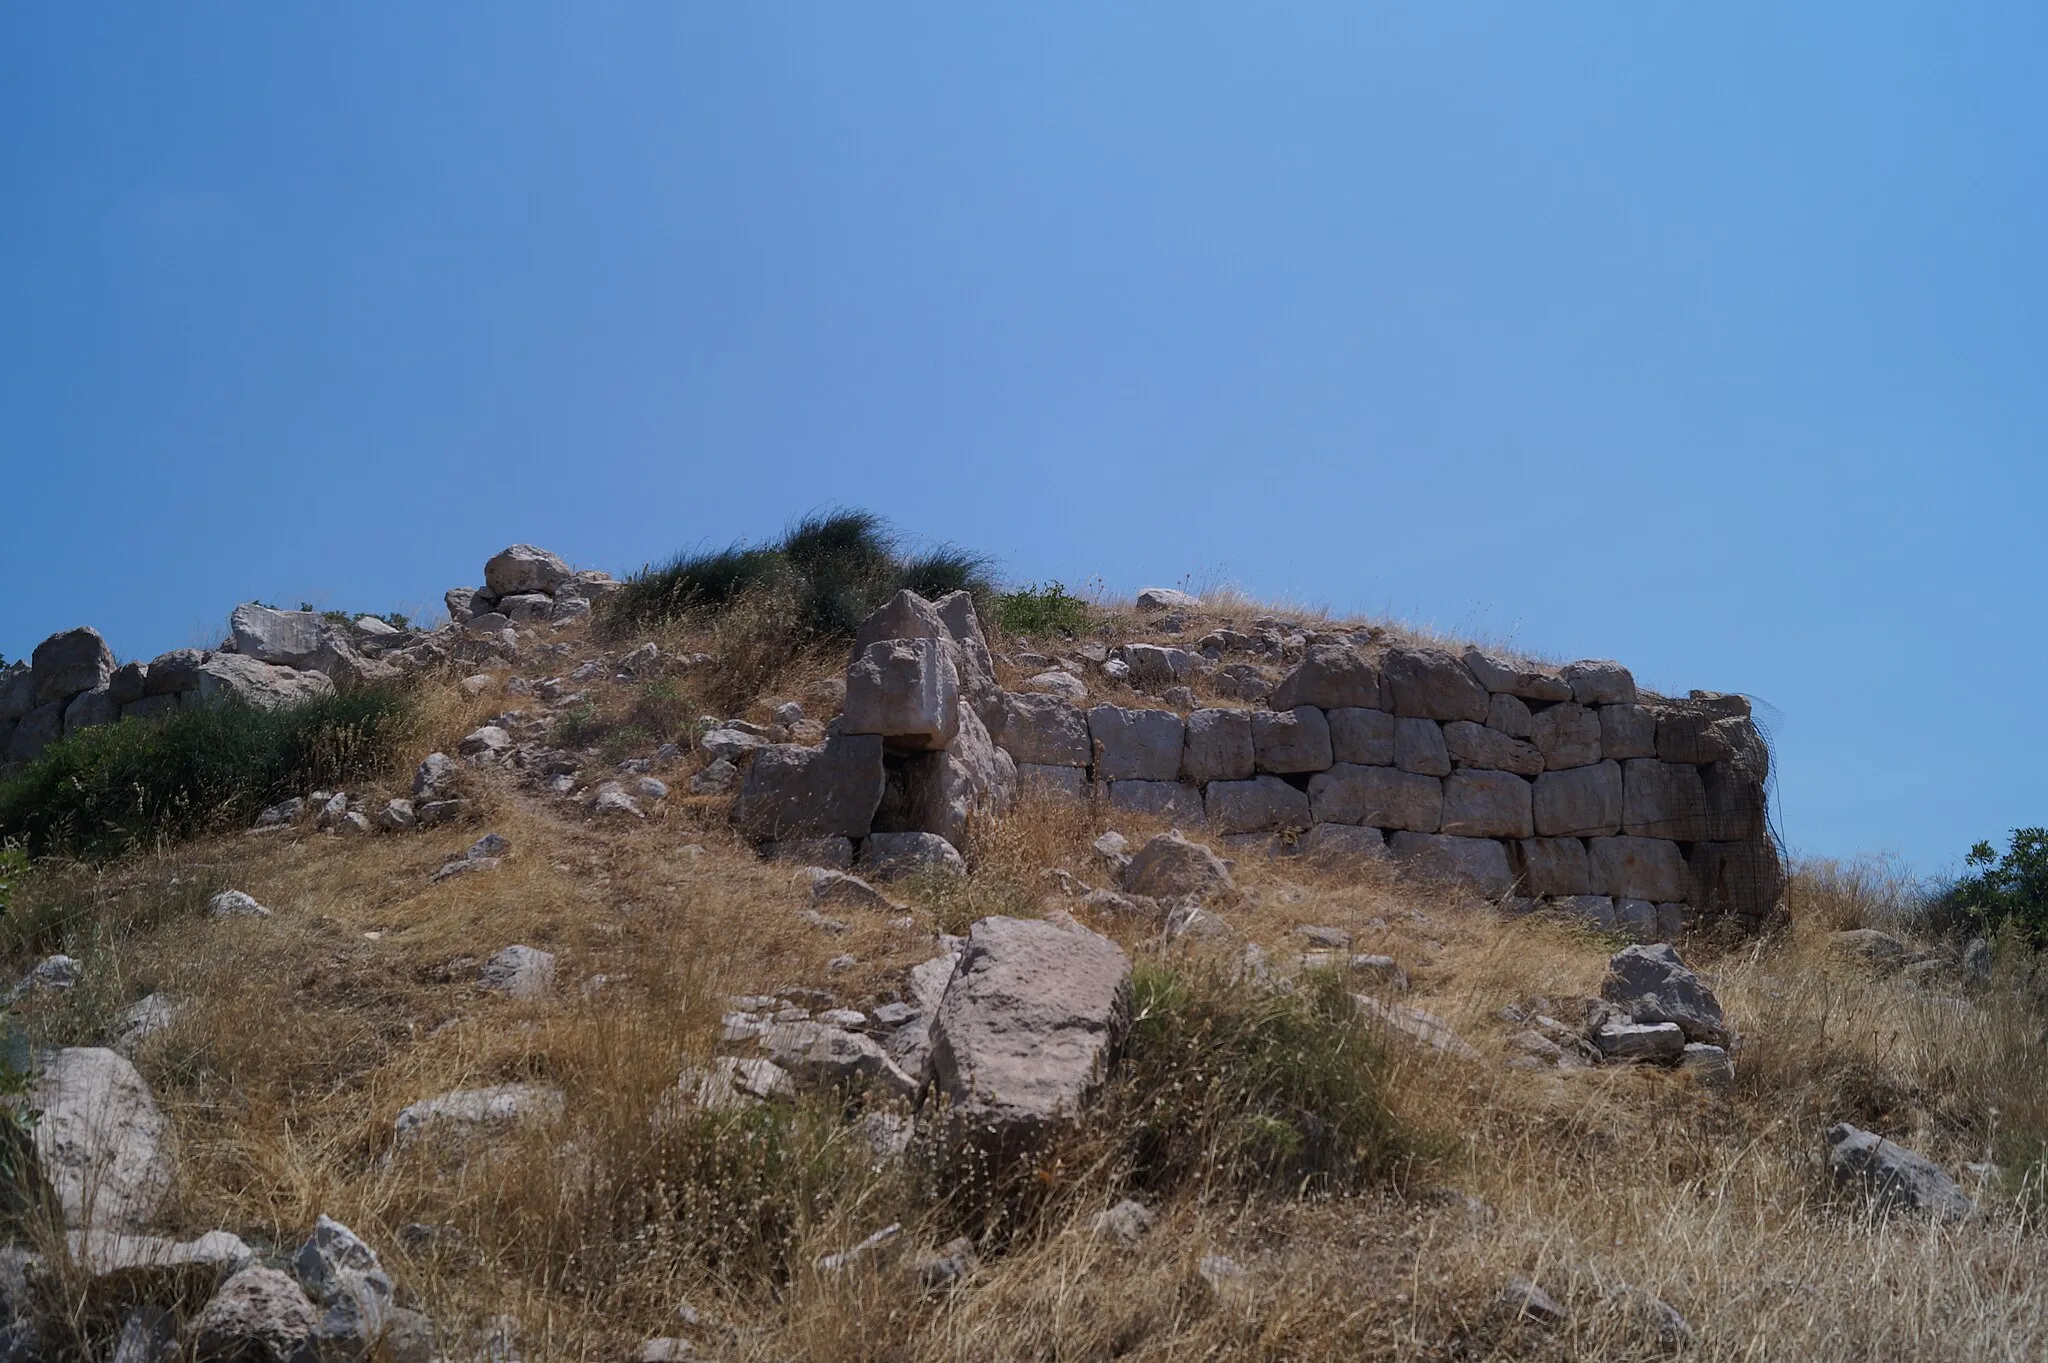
[(306, 1033)]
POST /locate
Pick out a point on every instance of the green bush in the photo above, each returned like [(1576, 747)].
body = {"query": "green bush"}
[(2008, 890), (1234, 1087), (1049, 609), (101, 791), (824, 576)]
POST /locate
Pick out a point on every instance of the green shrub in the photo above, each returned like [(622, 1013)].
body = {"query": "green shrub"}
[(100, 791), (823, 577), (1234, 1087), (1049, 609), (2008, 890)]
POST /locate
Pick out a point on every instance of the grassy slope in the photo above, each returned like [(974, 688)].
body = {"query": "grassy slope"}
[(308, 1032)]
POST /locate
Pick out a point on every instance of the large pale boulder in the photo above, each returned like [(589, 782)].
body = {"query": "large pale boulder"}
[(1030, 1017), (70, 662), (1584, 802), (275, 636), (1486, 804), (1166, 598), (1296, 740), (1479, 862), (1428, 683), (905, 615), (524, 568), (1653, 984), (101, 1141), (1169, 867), (1515, 677), (175, 672), (1157, 665), (1135, 745), (1379, 797), (1219, 746), (1891, 1176), (832, 790), (226, 677), (1255, 806), (1598, 681), (1047, 731), (1328, 677), (907, 691), (978, 685)]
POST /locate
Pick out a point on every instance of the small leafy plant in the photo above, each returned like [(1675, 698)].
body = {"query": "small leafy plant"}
[(2001, 890), (1047, 609)]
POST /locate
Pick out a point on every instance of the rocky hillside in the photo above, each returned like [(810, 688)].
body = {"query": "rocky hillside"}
[(1203, 981)]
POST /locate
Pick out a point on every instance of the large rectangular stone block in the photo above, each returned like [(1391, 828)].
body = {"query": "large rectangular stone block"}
[(1486, 804), (1419, 747), (1218, 746), (1568, 735), (1553, 866), (1514, 677), (1664, 800), (1135, 745), (1481, 745), (1627, 731), (1740, 879), (1330, 677), (1296, 740), (1638, 868), (1479, 862), (1510, 715), (1047, 731), (907, 691), (1047, 779), (1377, 796), (1428, 683), (1583, 802), (1255, 806), (1176, 802), (1363, 737), (831, 791)]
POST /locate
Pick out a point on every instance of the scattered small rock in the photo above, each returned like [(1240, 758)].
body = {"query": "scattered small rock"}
[(234, 904), (519, 972), (1128, 1222), (1526, 1301), (1892, 1177)]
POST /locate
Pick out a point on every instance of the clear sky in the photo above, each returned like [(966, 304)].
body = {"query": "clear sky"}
[(1706, 337)]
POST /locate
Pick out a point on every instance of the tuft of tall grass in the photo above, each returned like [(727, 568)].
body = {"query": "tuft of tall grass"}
[(99, 792), (818, 582)]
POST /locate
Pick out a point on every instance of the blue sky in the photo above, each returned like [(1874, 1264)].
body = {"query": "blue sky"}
[(1710, 338)]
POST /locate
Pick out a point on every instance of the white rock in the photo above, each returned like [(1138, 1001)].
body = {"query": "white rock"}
[(101, 1140), (234, 904)]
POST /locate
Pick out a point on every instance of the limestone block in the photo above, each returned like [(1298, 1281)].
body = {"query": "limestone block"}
[(1479, 862), (1739, 879), (524, 568), (287, 638), (1627, 731), (905, 615), (905, 690), (1598, 681), (1735, 803), (1153, 665), (1568, 735), (70, 662), (1330, 677), (1380, 797), (175, 672), (1175, 802), (1219, 746), (230, 676), (1597, 909), (978, 685), (90, 708), (1360, 736), (1135, 745), (1071, 782), (1514, 677), (1043, 730), (945, 792), (1510, 715), (1553, 866), (38, 729), (1583, 802), (1295, 740), (1638, 868), (1428, 683), (832, 790), (1338, 841), (129, 683), (1486, 804), (1663, 800), (1255, 806), (1419, 747), (1481, 745)]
